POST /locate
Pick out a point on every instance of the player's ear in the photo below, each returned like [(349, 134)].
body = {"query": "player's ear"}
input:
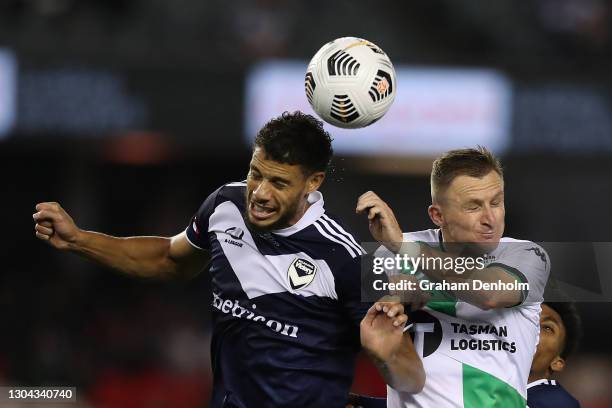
[(435, 213), (557, 365), (314, 181)]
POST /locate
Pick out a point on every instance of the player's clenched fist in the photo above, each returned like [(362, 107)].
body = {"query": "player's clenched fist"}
[(54, 225)]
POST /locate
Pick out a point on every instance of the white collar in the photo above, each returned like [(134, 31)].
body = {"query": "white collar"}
[(315, 199), (541, 381)]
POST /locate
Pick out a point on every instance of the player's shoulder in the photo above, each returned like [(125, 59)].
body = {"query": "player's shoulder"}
[(512, 246), (233, 191), (516, 241), (519, 243), (338, 237), (549, 393)]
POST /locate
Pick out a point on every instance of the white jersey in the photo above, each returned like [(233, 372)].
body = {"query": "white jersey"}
[(474, 357)]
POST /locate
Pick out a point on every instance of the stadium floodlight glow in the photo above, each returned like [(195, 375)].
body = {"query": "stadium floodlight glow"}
[(8, 91), (435, 110)]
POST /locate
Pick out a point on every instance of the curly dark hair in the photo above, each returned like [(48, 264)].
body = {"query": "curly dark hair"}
[(296, 138), (572, 322)]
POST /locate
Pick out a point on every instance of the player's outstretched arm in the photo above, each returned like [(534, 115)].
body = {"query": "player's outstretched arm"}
[(146, 257), (392, 351)]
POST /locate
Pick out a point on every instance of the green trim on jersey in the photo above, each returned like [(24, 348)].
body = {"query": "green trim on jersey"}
[(443, 306), (517, 274), (481, 389), (443, 302)]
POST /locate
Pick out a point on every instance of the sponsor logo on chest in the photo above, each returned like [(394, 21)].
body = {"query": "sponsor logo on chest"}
[(301, 273)]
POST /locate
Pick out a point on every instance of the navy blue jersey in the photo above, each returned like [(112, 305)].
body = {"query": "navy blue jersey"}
[(286, 305), (363, 401), (549, 394)]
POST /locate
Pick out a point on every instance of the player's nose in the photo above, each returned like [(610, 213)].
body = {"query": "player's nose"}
[(262, 192), (488, 217)]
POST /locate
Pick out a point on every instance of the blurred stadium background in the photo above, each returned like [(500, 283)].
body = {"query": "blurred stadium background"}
[(129, 112)]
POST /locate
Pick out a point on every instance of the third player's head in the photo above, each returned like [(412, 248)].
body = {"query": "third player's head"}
[(290, 157), (560, 330), (467, 191)]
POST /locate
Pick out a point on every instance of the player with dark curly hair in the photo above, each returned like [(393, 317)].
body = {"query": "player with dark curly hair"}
[(560, 332), (285, 275)]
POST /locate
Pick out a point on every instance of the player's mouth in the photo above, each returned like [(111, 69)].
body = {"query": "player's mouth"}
[(487, 236), (260, 212)]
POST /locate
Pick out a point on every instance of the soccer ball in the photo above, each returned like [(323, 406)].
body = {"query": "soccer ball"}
[(350, 82)]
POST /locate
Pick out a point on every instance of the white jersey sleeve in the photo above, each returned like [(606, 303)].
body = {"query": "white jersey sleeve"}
[(526, 260)]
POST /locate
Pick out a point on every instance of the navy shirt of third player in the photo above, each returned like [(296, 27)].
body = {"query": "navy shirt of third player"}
[(547, 393)]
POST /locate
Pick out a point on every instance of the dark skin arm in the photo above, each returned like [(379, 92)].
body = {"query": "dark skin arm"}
[(142, 257)]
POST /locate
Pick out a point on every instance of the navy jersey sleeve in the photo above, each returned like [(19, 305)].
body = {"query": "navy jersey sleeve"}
[(197, 230), (355, 289), (550, 396)]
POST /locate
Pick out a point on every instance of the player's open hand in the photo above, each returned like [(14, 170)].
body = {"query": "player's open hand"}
[(381, 330), (382, 222), (54, 225)]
